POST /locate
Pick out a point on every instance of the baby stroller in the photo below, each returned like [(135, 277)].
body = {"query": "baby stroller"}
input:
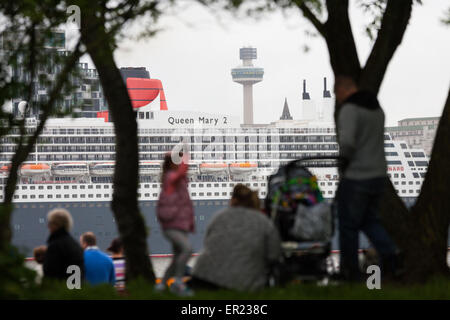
[(304, 219)]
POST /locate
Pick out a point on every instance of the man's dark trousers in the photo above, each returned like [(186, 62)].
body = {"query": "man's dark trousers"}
[(358, 204)]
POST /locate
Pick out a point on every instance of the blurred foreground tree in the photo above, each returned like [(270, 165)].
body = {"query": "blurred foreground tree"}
[(26, 40), (421, 232), (102, 22)]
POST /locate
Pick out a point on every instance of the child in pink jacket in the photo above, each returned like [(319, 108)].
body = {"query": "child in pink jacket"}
[(176, 216)]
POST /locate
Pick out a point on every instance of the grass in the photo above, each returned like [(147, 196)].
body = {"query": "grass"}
[(438, 288)]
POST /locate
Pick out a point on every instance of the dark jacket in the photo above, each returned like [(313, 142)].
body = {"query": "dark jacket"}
[(360, 126), (62, 251)]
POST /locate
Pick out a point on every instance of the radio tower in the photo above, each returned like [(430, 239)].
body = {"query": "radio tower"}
[(247, 75)]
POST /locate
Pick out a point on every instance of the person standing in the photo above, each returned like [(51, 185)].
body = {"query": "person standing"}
[(62, 250), (175, 214), (363, 178), (98, 265)]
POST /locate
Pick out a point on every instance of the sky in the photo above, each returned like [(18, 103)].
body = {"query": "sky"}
[(196, 48)]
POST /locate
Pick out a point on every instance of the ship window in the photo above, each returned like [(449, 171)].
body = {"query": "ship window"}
[(32, 188), (58, 196), (66, 187), (193, 194), (147, 195), (74, 187), (208, 185), (90, 195), (403, 191), (41, 196), (66, 195), (330, 192), (194, 185), (98, 186), (415, 174), (224, 193), (98, 196), (82, 195), (403, 182), (395, 175), (155, 194), (49, 187), (202, 194), (396, 182), (74, 196), (82, 187), (146, 185), (417, 182), (106, 186), (23, 188), (216, 193), (410, 191), (403, 175), (32, 196), (50, 196), (200, 185), (24, 196), (90, 187), (106, 196)]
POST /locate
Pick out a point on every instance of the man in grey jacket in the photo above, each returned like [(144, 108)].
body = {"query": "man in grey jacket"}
[(362, 168)]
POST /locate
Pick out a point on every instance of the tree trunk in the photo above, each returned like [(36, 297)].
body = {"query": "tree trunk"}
[(422, 233), (431, 214), (130, 222), (26, 145)]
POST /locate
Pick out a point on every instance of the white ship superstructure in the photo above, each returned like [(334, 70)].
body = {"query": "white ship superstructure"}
[(76, 156)]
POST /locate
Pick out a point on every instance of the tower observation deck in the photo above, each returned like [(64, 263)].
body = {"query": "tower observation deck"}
[(247, 75)]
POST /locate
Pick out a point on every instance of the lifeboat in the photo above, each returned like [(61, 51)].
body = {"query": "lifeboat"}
[(70, 169), (242, 167), (4, 170), (213, 168), (103, 169), (192, 169), (149, 168), (38, 169)]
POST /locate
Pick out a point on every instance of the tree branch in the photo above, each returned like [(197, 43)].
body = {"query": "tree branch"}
[(393, 26), (339, 37), (320, 27)]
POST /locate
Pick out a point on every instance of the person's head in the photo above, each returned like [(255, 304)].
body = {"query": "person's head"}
[(116, 247), (88, 239), (256, 202), (39, 254), (168, 164), (59, 219), (344, 87), (243, 196)]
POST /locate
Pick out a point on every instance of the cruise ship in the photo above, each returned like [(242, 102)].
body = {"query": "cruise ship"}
[(73, 163)]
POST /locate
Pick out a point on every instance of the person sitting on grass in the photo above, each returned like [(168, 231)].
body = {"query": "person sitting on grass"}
[(116, 249), (98, 265), (240, 247)]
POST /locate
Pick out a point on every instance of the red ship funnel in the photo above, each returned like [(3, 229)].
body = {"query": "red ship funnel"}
[(144, 91)]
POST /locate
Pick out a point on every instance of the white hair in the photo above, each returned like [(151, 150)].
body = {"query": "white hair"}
[(61, 218)]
